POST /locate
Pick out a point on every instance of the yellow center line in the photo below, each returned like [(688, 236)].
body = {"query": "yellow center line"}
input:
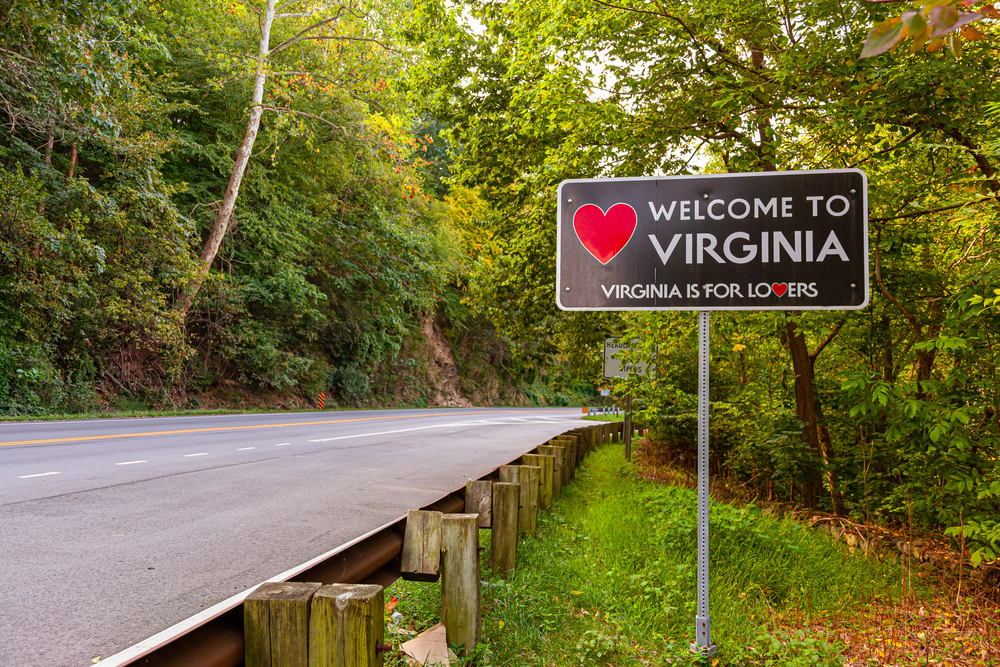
[(212, 429)]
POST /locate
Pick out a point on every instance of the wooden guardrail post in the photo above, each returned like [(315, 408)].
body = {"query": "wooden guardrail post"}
[(460, 580), (545, 463), (564, 457), (574, 455), (510, 474), (346, 626), (527, 477), (581, 445), (276, 624), (569, 456), (556, 454), (503, 536), (478, 498), (421, 560)]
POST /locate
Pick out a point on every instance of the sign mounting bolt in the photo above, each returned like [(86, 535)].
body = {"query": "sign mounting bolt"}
[(705, 196), (570, 201), (567, 289), (852, 286)]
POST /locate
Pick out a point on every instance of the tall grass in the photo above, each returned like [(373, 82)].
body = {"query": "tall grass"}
[(611, 579)]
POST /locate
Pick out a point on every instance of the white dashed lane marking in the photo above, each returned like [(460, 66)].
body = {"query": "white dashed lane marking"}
[(128, 463), (243, 449), (41, 474), (282, 444), (198, 454)]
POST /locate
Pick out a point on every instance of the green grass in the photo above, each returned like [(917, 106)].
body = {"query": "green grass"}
[(151, 412), (610, 580), (605, 418)]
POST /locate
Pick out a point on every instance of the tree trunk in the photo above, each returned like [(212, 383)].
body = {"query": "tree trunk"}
[(225, 214), (807, 409)]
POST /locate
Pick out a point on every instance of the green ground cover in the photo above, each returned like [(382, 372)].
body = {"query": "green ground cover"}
[(610, 580)]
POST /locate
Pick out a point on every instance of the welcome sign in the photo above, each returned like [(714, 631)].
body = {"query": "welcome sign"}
[(766, 241)]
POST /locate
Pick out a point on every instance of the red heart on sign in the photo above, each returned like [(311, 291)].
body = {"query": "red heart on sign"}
[(604, 234), (779, 289)]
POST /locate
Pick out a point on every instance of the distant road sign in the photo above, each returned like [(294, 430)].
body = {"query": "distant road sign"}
[(615, 367), (794, 240)]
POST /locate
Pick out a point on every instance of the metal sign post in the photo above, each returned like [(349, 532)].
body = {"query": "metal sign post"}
[(703, 622), (794, 240)]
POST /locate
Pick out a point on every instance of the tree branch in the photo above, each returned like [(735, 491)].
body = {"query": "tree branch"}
[(885, 150), (351, 39), (878, 278), (929, 211), (308, 115), (981, 160), (833, 333), (303, 34)]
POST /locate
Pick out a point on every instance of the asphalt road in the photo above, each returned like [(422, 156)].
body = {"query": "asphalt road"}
[(113, 530)]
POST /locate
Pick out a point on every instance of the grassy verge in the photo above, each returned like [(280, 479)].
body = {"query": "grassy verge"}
[(605, 418), (610, 580), (121, 414)]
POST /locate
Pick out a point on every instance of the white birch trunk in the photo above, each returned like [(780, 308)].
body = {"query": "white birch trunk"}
[(221, 224)]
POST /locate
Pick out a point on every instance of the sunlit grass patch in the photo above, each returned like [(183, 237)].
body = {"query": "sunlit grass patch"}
[(611, 580)]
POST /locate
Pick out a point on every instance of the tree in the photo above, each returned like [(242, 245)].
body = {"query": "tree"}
[(307, 20), (546, 91)]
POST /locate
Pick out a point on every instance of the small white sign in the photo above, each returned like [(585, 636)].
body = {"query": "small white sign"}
[(614, 367)]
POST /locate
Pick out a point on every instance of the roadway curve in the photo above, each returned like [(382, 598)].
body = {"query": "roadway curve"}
[(113, 530)]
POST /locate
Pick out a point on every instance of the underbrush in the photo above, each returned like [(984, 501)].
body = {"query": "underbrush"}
[(610, 580)]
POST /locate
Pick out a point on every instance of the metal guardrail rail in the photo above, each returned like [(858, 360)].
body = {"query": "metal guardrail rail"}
[(214, 637)]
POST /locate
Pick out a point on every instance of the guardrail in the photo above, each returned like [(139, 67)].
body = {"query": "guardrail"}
[(214, 637)]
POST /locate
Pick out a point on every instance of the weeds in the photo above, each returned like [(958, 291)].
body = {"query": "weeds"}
[(610, 580)]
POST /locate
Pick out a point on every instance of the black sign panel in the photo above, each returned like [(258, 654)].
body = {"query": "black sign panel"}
[(793, 240)]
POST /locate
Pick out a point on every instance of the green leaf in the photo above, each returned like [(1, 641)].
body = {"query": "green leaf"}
[(914, 22), (882, 37), (955, 44), (948, 19)]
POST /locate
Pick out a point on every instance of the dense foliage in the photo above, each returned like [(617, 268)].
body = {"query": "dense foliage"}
[(122, 122), (214, 198), (891, 412)]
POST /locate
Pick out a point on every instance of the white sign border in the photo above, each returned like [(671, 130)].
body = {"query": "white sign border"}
[(559, 226)]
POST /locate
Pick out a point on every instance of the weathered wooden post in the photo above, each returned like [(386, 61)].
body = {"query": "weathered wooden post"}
[(574, 454), (556, 454), (346, 626), (546, 464), (510, 474), (569, 459), (477, 500), (527, 477), (503, 536), (421, 559), (460, 581), (564, 458), (276, 624)]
